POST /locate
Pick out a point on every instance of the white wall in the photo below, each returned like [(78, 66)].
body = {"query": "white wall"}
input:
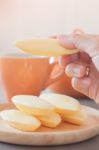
[(85, 14), (29, 18)]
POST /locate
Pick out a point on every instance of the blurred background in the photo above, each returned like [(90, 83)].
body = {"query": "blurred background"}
[(39, 18), (20, 19)]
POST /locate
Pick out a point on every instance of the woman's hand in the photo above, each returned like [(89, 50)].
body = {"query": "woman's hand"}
[(83, 67)]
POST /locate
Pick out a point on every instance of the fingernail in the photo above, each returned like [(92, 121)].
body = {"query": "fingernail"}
[(66, 41), (73, 71), (76, 71)]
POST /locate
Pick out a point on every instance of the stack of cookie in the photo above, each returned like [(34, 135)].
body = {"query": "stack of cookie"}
[(48, 110)]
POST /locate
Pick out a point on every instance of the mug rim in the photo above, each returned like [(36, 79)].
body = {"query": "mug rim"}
[(20, 55)]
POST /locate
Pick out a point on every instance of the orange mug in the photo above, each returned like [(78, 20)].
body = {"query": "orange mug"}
[(63, 86), (26, 74)]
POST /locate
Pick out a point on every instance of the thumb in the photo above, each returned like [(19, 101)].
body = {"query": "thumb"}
[(86, 43)]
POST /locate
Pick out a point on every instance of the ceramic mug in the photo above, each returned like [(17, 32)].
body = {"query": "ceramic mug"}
[(63, 86), (26, 74)]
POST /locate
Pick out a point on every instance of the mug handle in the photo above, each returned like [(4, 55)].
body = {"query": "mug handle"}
[(55, 73)]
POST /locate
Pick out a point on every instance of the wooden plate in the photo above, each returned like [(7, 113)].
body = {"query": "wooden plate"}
[(64, 134)]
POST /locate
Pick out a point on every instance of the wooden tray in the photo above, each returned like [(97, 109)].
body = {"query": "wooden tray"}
[(64, 134)]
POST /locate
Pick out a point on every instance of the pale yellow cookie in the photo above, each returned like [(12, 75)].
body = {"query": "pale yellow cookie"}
[(32, 105), (44, 47), (78, 119), (20, 120), (51, 121), (63, 104)]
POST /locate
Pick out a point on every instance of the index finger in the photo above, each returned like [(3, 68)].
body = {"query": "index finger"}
[(86, 43)]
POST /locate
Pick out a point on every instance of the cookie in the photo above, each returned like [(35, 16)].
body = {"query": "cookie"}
[(51, 121), (44, 47), (63, 104), (32, 105), (20, 120)]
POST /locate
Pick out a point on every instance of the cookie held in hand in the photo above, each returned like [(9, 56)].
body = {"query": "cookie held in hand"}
[(44, 47)]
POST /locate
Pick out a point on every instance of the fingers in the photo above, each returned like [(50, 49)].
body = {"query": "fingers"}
[(82, 57), (86, 43), (80, 81), (66, 41), (64, 60), (81, 84), (76, 70)]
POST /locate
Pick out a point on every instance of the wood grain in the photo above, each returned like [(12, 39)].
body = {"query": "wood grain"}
[(65, 133)]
